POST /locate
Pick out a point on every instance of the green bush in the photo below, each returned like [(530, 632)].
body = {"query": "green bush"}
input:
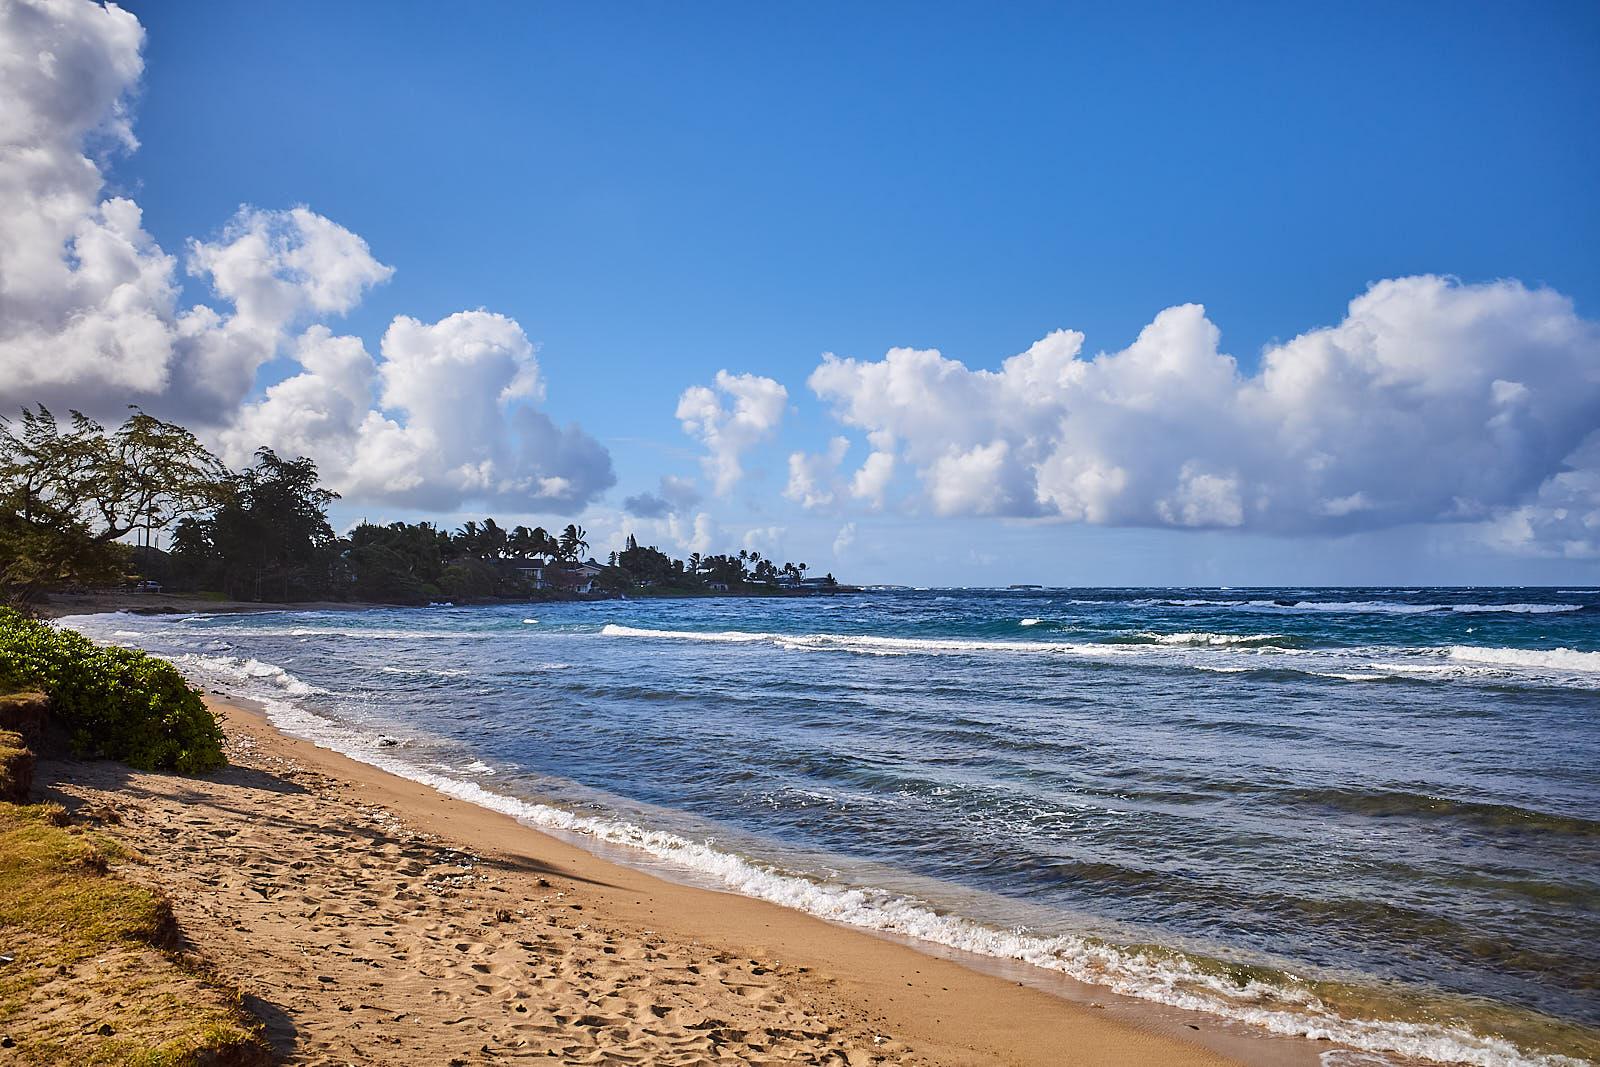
[(114, 702)]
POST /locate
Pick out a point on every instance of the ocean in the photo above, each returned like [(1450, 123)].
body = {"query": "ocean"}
[(1370, 815)]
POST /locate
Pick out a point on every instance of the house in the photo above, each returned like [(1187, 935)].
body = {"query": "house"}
[(576, 577), (532, 572)]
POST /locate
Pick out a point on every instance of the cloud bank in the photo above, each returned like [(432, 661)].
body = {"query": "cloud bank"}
[(1432, 401), (92, 313)]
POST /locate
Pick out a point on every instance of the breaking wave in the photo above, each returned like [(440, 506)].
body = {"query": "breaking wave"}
[(1556, 659), (1369, 607), (1214, 652)]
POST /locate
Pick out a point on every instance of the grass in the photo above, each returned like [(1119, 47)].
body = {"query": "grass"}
[(93, 977), (16, 767)]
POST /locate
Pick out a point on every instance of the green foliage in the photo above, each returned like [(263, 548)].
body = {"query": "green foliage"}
[(66, 494), (401, 563), (469, 579), (115, 702), (270, 538)]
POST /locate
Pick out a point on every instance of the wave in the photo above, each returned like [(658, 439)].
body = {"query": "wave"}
[(1558, 659), (1210, 640), (1213, 652), (737, 637), (861, 643), (434, 672), (1392, 803), (1030, 622), (1367, 607), (252, 670)]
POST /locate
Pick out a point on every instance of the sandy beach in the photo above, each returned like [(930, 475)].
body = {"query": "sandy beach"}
[(369, 919)]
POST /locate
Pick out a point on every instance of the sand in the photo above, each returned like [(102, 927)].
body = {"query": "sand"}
[(372, 920)]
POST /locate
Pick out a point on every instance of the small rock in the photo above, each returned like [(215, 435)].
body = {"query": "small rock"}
[(6, 1042)]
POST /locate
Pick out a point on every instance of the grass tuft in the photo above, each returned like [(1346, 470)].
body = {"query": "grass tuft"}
[(92, 978)]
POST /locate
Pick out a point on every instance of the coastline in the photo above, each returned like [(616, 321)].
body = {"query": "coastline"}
[(863, 998)]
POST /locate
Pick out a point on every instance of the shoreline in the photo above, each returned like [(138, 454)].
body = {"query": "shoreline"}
[(950, 1006)]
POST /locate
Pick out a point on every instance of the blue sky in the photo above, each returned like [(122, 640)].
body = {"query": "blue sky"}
[(658, 193)]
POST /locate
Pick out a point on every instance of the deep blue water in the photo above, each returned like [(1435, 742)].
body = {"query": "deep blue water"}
[(1392, 791)]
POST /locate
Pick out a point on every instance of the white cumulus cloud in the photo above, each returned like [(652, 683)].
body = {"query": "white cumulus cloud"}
[(814, 477), (1431, 401), (844, 539), (730, 417)]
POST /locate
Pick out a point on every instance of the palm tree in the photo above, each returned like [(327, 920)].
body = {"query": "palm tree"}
[(572, 542), (467, 537), (543, 543), (520, 543), (694, 563), (493, 539)]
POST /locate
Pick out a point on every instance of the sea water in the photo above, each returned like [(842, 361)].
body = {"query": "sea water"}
[(1370, 815)]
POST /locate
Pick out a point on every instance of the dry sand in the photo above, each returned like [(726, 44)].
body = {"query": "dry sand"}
[(372, 920)]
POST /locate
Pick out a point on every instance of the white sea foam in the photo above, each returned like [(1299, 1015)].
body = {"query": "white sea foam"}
[(252, 670), (862, 643), (530, 622), (1519, 609), (375, 634), (436, 672), (1030, 622), (1367, 607), (737, 637), (1212, 640), (1557, 659), (1217, 653)]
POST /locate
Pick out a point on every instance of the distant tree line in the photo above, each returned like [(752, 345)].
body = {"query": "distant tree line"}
[(72, 499)]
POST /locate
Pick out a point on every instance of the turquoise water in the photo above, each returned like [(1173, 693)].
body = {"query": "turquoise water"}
[(1371, 814)]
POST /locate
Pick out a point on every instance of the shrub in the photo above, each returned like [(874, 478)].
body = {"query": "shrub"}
[(114, 702)]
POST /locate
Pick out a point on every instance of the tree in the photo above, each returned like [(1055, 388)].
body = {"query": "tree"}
[(492, 540), (272, 537), (401, 563), (66, 495), (544, 544), (142, 476), (572, 544), (468, 537)]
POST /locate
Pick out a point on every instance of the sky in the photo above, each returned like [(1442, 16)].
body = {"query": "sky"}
[(938, 294)]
